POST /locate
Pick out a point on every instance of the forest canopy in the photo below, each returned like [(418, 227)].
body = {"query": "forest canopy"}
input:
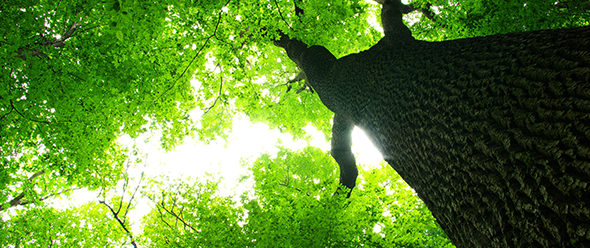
[(77, 76)]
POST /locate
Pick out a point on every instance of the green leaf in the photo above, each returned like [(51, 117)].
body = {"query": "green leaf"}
[(120, 35)]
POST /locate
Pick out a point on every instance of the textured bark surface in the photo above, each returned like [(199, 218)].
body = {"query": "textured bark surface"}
[(493, 133)]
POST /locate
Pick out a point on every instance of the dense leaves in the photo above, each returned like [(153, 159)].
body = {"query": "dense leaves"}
[(292, 204), (89, 225), (73, 82), (445, 20)]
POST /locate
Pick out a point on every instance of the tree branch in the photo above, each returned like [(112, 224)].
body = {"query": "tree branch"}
[(122, 223), (198, 52), (289, 186), (57, 43), (218, 96), (575, 5), (178, 218), (341, 150), (134, 192), (22, 115), (281, 14), (18, 200), (121, 206)]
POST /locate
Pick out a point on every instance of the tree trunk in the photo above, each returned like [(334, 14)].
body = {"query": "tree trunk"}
[(493, 133)]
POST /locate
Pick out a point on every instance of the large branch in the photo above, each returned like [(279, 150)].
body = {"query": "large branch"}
[(19, 199), (392, 21), (342, 152), (316, 62), (293, 47), (57, 43)]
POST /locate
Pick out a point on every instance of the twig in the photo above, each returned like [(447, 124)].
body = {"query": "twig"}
[(218, 96), (196, 55), (133, 195), (116, 213), (21, 114), (281, 14), (289, 186), (178, 218), (122, 223)]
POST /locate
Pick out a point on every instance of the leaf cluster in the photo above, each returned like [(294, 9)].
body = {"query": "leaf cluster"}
[(448, 20)]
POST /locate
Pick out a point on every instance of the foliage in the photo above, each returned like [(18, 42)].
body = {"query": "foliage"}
[(86, 226), (448, 20), (76, 76), (79, 75), (188, 213), (293, 205)]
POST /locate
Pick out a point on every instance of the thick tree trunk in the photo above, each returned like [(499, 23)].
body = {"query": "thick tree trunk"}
[(493, 133)]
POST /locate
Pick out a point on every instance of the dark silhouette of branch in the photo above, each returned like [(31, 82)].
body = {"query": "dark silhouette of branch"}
[(57, 43), (198, 52), (281, 14), (161, 206), (18, 200), (22, 115), (289, 186), (121, 222), (116, 213), (218, 96), (134, 192), (298, 11), (178, 218), (573, 5)]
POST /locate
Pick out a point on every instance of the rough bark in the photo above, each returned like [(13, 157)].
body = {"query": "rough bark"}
[(493, 133)]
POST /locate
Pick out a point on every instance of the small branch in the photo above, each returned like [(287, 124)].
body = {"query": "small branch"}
[(3, 116), (125, 185), (288, 186), (18, 200), (160, 211), (122, 223), (298, 11), (178, 218), (134, 192), (281, 14), (59, 43), (48, 196), (121, 205), (566, 5), (21, 114), (218, 96), (58, 193), (31, 178), (198, 52), (161, 214)]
